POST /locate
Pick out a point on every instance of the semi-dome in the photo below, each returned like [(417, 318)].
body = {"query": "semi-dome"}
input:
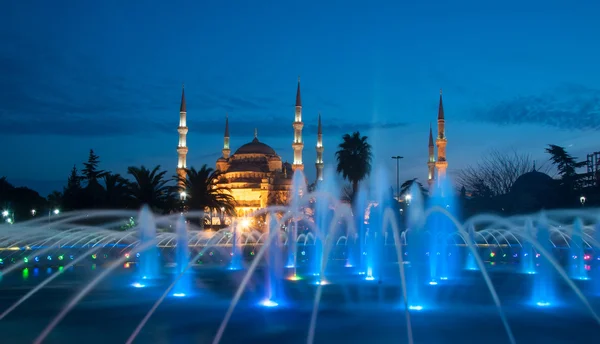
[(256, 147)]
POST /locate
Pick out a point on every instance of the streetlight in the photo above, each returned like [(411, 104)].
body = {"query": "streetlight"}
[(408, 198), (5, 213), (33, 212), (56, 211), (582, 200), (397, 158)]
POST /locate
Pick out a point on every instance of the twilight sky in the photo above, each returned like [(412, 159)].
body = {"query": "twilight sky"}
[(107, 75)]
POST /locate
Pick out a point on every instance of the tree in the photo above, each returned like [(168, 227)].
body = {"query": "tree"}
[(354, 158), (567, 165), (496, 172), (55, 200), (90, 172), (117, 191), (202, 191), (73, 193), (149, 187), (93, 192), (407, 185)]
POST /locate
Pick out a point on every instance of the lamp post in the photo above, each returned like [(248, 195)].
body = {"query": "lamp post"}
[(397, 158), (582, 200)]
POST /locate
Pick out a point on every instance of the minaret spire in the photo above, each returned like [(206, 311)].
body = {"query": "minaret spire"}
[(431, 159), (319, 162), (182, 149), (298, 144), (226, 150), (441, 142)]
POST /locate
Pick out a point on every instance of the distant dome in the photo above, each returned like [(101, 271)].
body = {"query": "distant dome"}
[(256, 147), (533, 181)]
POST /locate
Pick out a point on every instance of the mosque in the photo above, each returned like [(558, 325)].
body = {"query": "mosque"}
[(256, 175)]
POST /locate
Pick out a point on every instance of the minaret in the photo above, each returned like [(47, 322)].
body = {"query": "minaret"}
[(182, 149), (319, 163), (226, 151), (298, 144), (441, 163), (431, 160)]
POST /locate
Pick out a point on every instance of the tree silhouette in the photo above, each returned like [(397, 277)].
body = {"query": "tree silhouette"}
[(202, 191), (94, 192), (90, 172), (570, 181), (408, 184), (354, 158), (73, 193), (117, 191), (149, 187), (496, 172)]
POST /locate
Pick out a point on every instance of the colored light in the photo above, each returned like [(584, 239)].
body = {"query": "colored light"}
[(49, 257), (37, 259), (137, 285), (492, 254), (126, 265), (25, 273), (26, 260), (127, 255), (269, 303), (179, 294), (94, 256), (61, 257), (415, 308), (294, 278)]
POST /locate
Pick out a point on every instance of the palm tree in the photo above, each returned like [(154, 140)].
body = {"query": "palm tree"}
[(117, 190), (407, 185), (202, 191), (149, 187), (354, 158)]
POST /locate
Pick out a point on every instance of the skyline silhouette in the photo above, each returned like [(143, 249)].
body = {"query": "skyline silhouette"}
[(80, 76)]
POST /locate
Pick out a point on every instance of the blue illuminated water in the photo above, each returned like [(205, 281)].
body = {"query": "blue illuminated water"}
[(544, 285), (577, 263), (183, 285), (149, 260), (490, 300), (527, 252)]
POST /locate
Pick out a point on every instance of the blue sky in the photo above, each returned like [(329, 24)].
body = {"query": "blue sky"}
[(107, 75)]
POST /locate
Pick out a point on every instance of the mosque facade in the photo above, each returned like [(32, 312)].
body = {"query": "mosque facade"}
[(255, 174)]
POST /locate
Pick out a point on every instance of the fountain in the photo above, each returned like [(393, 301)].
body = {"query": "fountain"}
[(236, 256), (183, 285), (520, 281), (543, 290), (577, 270), (149, 258), (527, 253)]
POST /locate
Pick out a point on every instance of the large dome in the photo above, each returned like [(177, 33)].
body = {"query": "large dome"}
[(533, 181), (255, 147)]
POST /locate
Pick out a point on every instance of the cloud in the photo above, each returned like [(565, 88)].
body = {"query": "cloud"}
[(570, 107), (46, 89), (282, 127)]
